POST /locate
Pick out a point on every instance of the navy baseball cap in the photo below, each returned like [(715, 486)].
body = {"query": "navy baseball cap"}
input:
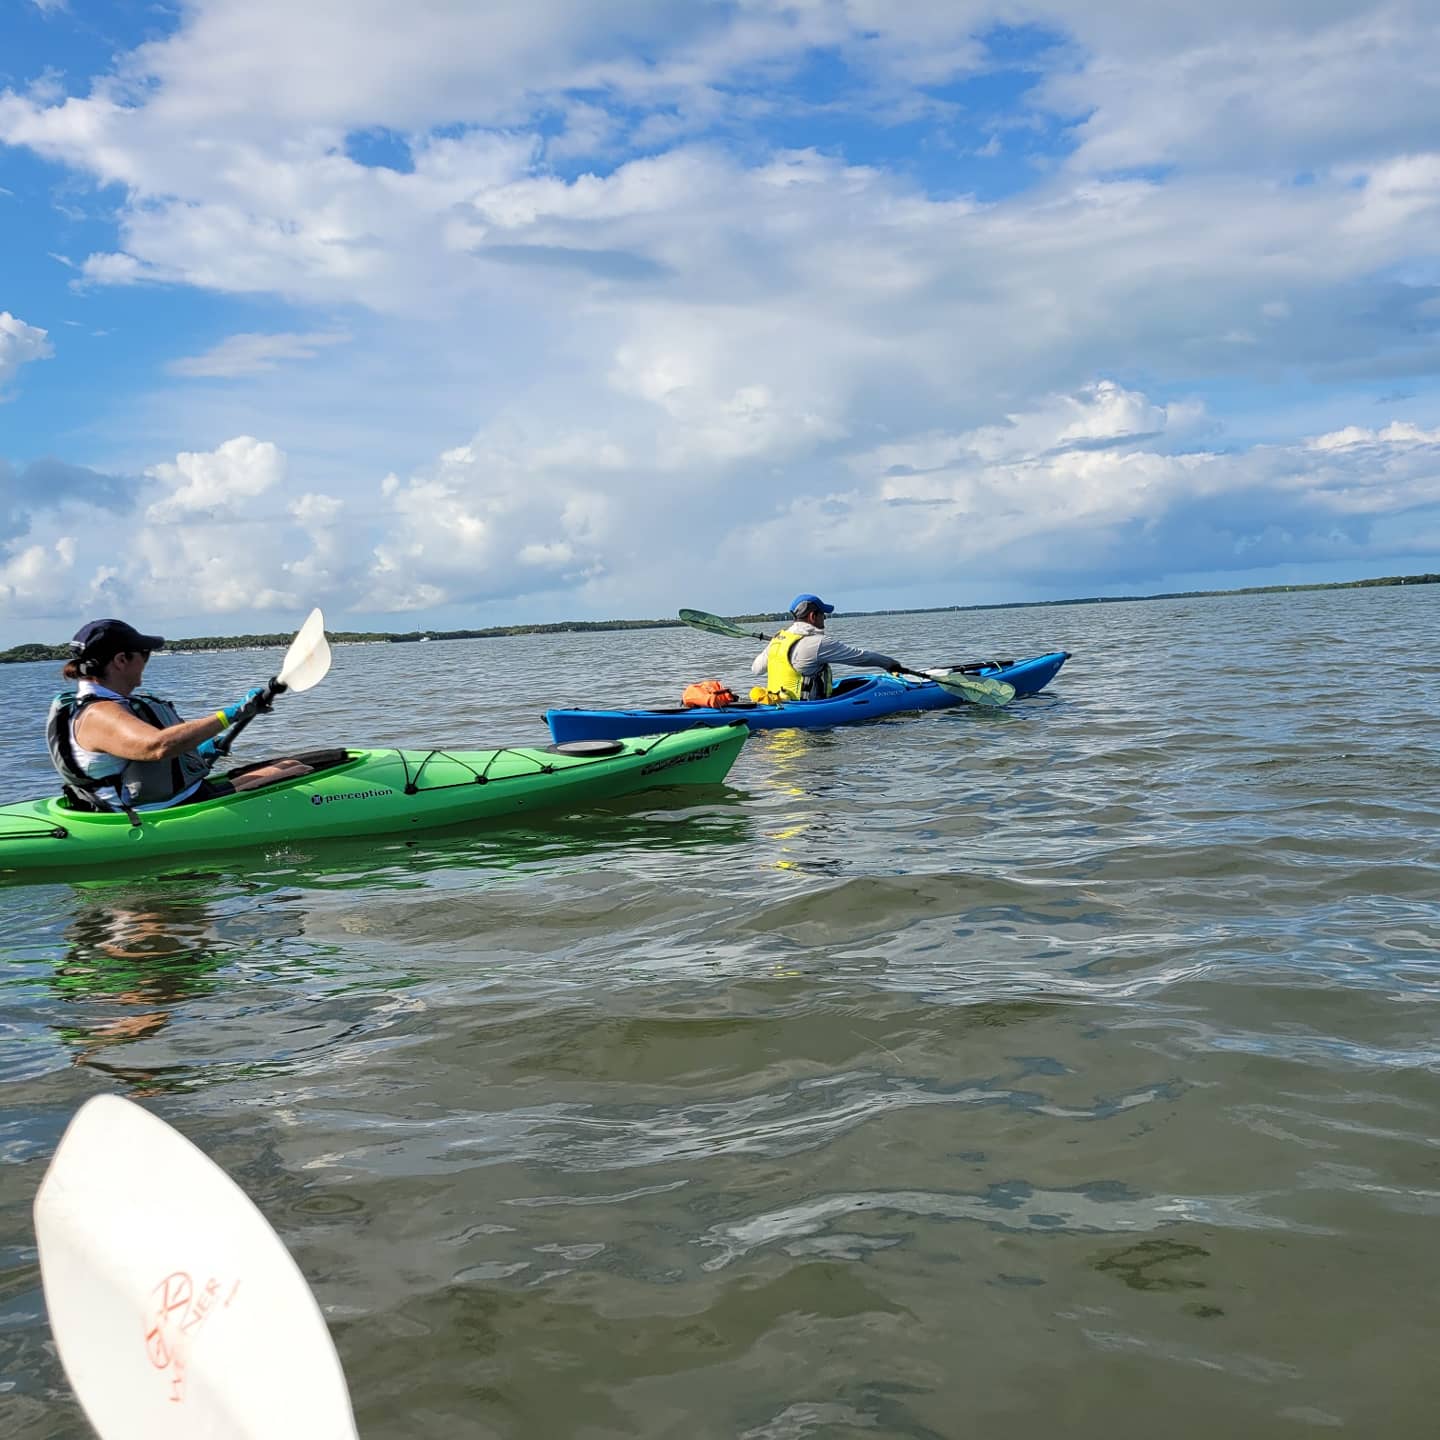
[(801, 603), (104, 639)]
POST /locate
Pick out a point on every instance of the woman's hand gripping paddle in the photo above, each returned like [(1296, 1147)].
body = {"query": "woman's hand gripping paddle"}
[(307, 662)]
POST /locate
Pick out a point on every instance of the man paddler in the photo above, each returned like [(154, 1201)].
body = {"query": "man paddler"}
[(796, 663)]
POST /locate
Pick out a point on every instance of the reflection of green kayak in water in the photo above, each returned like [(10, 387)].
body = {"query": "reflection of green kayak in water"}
[(126, 967), (139, 950), (371, 792)]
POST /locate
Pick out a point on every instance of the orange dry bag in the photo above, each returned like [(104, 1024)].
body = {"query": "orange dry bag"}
[(707, 692)]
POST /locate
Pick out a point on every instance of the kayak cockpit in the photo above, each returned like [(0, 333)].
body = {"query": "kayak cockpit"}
[(315, 761)]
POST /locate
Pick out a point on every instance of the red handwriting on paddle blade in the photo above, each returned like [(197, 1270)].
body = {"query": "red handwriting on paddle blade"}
[(173, 1319), (168, 1302)]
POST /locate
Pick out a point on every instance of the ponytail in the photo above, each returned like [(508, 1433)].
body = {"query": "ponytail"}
[(85, 667)]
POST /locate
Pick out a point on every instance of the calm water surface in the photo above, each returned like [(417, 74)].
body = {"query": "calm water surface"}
[(1066, 1070)]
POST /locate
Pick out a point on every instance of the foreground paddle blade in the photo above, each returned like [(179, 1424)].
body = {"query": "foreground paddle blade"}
[(177, 1312), (971, 687), (307, 661)]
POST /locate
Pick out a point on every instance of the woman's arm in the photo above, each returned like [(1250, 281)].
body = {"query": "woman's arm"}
[(111, 728)]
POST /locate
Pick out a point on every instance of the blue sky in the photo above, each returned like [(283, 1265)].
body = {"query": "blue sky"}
[(436, 314)]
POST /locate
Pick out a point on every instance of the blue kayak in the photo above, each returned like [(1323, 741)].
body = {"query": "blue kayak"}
[(857, 698)]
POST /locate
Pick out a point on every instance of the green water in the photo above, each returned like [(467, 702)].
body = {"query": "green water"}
[(1066, 1070)]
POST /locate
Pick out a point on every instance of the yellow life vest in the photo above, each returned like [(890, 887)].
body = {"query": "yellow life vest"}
[(784, 680)]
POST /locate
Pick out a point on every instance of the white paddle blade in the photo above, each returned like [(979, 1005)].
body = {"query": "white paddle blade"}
[(177, 1311), (307, 661)]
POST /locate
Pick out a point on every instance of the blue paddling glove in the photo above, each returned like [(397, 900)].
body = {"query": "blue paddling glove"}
[(256, 702)]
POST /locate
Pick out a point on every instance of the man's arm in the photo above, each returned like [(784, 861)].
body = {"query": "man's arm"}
[(837, 652), (761, 663)]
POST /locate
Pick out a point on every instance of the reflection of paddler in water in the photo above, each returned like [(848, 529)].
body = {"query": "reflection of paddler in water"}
[(141, 957), (797, 666), (805, 825)]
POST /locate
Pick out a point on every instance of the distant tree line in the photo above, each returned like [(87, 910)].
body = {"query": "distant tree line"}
[(34, 651), (1175, 595)]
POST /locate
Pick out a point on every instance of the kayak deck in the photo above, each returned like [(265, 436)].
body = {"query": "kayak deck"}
[(856, 699), (373, 792)]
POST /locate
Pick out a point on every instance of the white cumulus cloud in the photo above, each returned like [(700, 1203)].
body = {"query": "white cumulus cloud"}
[(38, 577), (1399, 434), (223, 479), (1059, 511), (19, 345)]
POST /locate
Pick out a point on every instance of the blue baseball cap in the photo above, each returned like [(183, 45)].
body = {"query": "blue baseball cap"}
[(801, 603), (105, 639)]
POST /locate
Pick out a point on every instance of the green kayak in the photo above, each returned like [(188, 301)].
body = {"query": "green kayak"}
[(368, 792)]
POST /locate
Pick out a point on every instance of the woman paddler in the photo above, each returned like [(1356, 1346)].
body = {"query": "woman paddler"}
[(117, 747)]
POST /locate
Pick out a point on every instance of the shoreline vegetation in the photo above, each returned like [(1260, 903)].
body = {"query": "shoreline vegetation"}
[(34, 651)]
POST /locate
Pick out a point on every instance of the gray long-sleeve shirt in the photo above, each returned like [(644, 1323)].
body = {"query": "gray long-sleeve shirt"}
[(815, 650)]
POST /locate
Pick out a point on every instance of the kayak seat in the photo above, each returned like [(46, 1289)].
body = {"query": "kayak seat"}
[(73, 799)]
